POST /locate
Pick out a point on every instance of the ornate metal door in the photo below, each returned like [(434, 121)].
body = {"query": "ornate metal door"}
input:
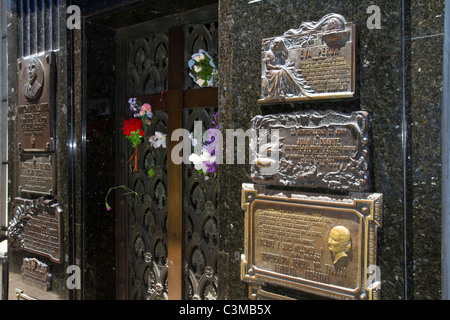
[(201, 234), (169, 197)]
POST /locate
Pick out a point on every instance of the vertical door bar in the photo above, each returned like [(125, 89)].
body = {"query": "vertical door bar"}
[(175, 172)]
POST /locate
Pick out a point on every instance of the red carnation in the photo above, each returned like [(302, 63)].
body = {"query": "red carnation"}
[(133, 124)]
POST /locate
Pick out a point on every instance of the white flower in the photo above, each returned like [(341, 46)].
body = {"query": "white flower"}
[(158, 140), (197, 69), (201, 161), (200, 82), (199, 57)]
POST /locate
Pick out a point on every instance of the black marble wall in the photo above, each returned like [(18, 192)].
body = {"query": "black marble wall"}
[(99, 243), (401, 90)]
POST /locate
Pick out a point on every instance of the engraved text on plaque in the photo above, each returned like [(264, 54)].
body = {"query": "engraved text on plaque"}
[(36, 226), (316, 150), (35, 105), (318, 244), (315, 61), (36, 174), (36, 273)]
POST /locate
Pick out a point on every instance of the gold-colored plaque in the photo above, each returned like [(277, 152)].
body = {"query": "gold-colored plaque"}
[(315, 61), (321, 244)]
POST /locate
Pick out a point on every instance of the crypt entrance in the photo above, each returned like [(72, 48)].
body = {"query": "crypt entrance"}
[(165, 233)]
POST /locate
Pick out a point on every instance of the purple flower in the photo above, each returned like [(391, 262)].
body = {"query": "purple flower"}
[(132, 103), (215, 118)]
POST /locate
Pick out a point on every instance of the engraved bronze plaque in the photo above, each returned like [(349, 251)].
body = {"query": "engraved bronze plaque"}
[(36, 273), (37, 174), (35, 110), (315, 61), (36, 226), (321, 244), (315, 150)]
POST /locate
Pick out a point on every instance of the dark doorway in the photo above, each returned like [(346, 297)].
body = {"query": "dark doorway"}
[(142, 51)]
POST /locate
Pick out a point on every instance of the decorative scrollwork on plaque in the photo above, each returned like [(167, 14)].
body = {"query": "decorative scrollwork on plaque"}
[(316, 149), (315, 243), (36, 227)]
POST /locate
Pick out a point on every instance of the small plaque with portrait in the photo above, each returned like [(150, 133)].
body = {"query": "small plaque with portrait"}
[(320, 244), (35, 110)]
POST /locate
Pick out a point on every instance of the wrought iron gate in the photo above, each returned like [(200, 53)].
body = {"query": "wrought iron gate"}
[(148, 77)]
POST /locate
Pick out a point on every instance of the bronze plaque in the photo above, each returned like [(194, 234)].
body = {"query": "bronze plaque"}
[(35, 111), (325, 245), (316, 150), (315, 61), (36, 227), (37, 174), (36, 273)]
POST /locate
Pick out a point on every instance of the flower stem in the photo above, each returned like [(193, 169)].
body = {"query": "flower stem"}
[(136, 195)]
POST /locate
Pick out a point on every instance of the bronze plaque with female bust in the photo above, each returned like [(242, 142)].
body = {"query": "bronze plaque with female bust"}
[(321, 244), (315, 61)]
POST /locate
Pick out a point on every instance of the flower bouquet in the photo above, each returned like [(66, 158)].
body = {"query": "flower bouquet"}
[(203, 70), (135, 128)]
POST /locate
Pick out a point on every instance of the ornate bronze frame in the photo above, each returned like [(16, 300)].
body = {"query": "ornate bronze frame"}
[(368, 209)]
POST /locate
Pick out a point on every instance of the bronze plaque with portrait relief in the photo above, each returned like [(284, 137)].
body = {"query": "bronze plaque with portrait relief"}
[(35, 110), (315, 61), (321, 244), (314, 149)]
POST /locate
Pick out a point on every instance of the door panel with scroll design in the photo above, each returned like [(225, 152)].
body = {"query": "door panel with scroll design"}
[(147, 217), (201, 235), (201, 231), (147, 258)]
